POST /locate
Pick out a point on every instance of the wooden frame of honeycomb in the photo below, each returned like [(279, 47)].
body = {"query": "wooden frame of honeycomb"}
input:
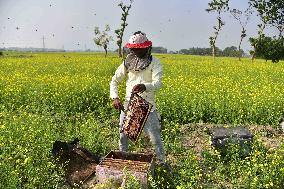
[(136, 115)]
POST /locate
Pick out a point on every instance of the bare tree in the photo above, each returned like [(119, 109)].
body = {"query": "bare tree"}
[(102, 39), (119, 32), (242, 18), (218, 6)]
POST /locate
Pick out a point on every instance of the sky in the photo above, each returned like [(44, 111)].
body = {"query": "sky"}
[(69, 24)]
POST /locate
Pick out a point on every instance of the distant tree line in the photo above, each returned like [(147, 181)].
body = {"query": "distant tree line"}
[(159, 50), (228, 51)]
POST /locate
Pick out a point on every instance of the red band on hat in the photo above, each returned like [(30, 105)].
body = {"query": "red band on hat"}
[(146, 44)]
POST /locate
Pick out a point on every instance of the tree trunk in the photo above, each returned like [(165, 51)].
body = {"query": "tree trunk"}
[(260, 32), (213, 52), (240, 48), (123, 52), (253, 55), (119, 51), (105, 48)]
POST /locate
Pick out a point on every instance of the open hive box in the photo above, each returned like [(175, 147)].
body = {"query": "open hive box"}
[(116, 163)]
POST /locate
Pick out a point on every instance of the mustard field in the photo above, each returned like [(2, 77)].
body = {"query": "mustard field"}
[(60, 96)]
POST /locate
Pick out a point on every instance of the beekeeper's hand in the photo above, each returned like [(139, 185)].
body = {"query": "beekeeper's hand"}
[(139, 88), (117, 104)]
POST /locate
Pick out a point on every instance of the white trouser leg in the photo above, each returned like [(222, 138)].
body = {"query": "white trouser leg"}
[(123, 140), (152, 128)]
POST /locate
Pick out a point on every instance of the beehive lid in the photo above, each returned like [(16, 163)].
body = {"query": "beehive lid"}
[(222, 132)]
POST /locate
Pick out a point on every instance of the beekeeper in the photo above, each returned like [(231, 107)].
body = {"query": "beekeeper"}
[(144, 76)]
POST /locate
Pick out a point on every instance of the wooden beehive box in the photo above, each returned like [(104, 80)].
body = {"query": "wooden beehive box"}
[(222, 137), (116, 163)]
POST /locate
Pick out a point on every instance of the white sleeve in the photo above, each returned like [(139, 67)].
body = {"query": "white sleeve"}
[(157, 74), (116, 79)]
